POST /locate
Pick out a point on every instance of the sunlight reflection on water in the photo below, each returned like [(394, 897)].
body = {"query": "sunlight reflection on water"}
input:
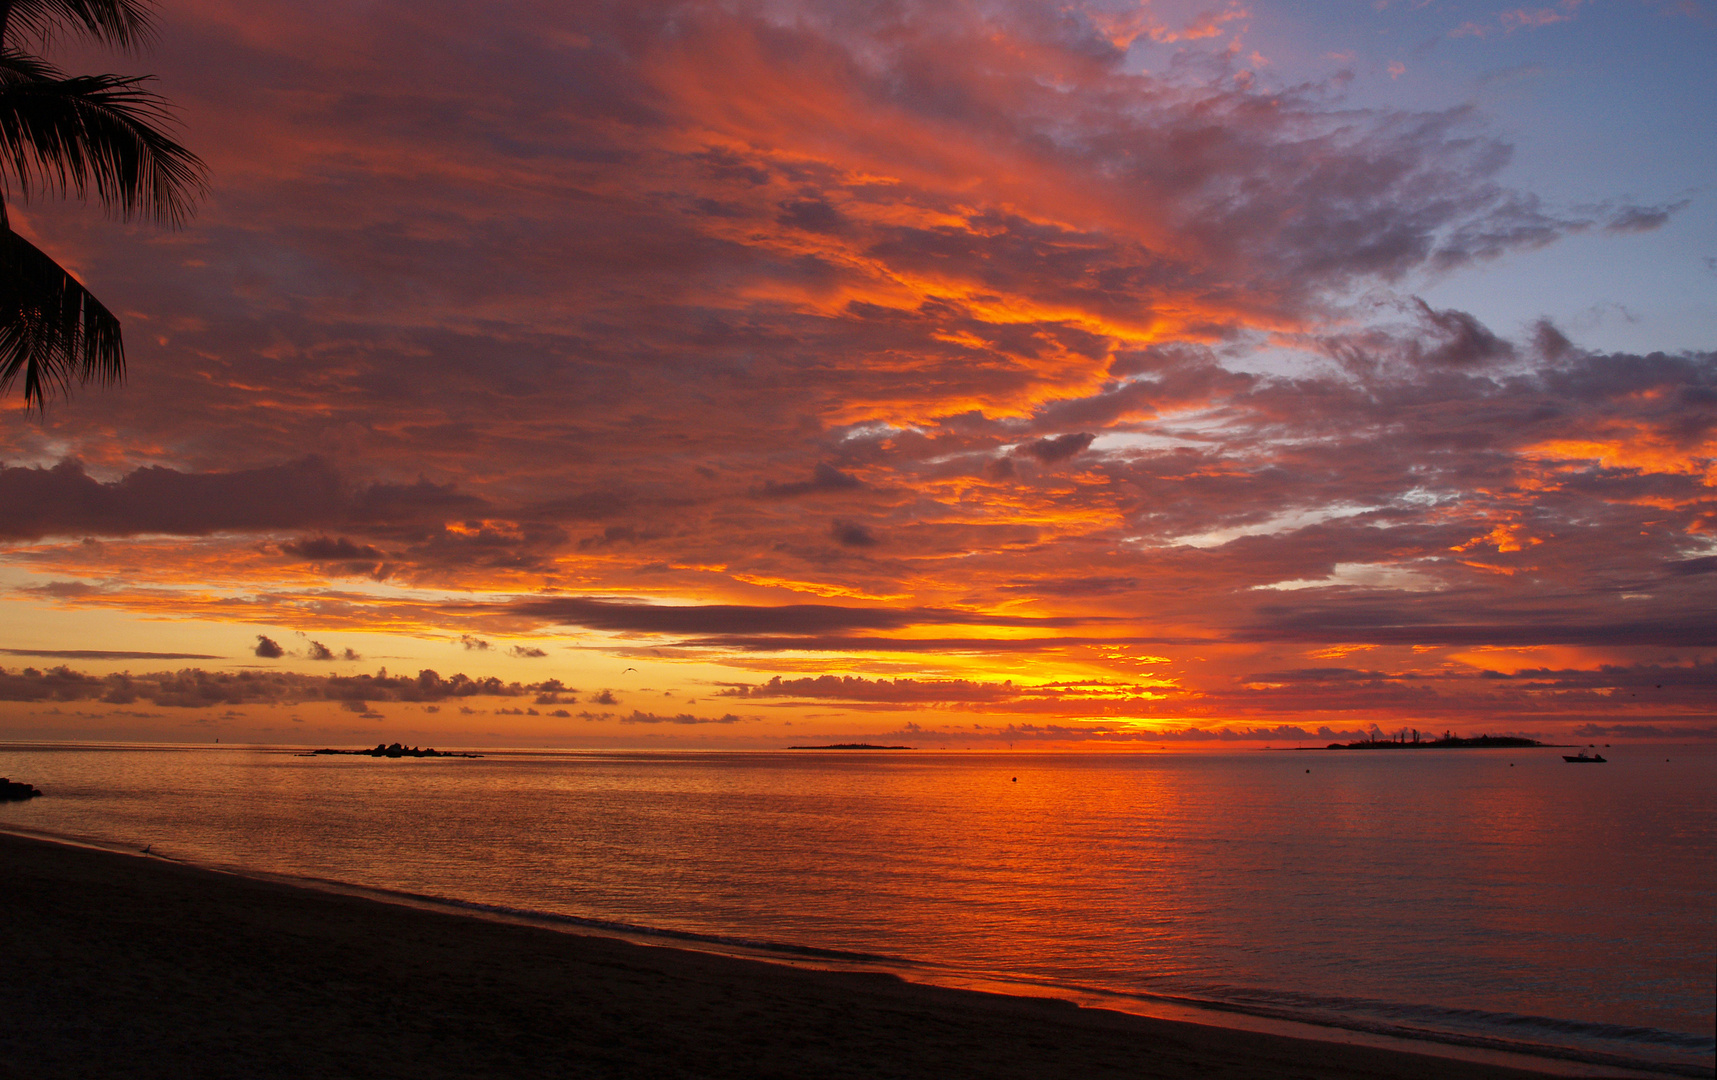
[(1437, 890)]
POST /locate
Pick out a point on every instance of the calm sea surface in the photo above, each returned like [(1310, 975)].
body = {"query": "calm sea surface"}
[(1499, 897)]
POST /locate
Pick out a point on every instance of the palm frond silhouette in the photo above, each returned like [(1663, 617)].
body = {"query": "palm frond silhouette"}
[(83, 135)]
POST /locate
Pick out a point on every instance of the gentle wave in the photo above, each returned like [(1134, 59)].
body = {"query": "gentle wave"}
[(1506, 1020), (1406, 1022), (1509, 1032), (808, 952), (727, 942)]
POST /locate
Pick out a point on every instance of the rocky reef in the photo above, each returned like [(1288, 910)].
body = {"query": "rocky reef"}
[(1447, 742), (395, 750), (14, 791)]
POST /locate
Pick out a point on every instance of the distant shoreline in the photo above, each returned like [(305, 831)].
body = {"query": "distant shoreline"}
[(852, 746)]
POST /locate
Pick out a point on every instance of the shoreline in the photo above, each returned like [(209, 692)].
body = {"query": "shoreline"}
[(1553, 1061), (765, 1011)]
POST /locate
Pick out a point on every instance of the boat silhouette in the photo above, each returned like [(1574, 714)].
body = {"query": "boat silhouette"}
[(1583, 758)]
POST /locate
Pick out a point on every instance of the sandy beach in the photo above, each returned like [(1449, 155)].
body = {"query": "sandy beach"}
[(120, 966)]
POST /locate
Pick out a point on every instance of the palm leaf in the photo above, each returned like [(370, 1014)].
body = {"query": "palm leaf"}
[(122, 23), (100, 132), (52, 331)]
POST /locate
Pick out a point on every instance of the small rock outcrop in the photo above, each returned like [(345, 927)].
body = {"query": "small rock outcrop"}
[(13, 791), (395, 750)]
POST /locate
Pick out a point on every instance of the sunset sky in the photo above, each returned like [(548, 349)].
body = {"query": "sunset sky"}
[(935, 371)]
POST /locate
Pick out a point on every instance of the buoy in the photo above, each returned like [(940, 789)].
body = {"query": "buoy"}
[(1016, 779)]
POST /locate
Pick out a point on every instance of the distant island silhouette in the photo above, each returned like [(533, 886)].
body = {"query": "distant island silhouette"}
[(850, 746), (1447, 742), (16, 791), (395, 750)]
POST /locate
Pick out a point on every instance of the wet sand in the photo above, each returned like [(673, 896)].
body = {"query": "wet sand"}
[(117, 966)]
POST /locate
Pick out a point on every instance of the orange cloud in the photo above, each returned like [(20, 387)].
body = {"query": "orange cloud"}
[(937, 345)]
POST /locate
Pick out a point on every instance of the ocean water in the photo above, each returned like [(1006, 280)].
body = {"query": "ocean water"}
[(1489, 898)]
